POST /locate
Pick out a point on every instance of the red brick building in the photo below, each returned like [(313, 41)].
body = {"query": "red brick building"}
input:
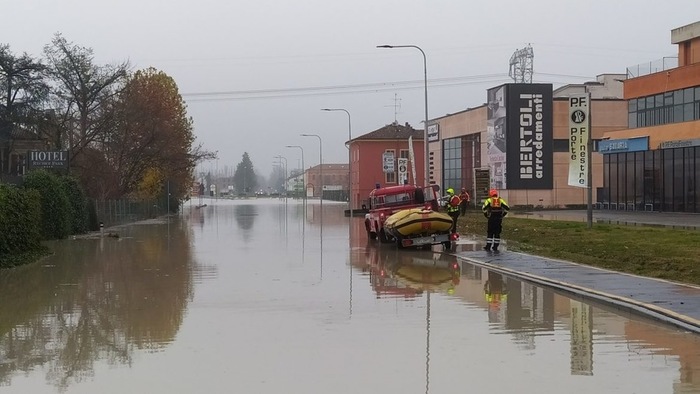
[(335, 181), (368, 153)]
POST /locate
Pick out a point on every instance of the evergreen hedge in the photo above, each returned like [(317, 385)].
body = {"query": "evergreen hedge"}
[(78, 205), (20, 216), (55, 205)]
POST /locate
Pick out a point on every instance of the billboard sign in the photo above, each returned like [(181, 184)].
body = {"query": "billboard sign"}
[(403, 170), (579, 138), (48, 159), (496, 135), (529, 136)]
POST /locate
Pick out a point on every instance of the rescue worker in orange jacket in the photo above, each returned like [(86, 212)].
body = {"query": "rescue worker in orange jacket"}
[(463, 201), (495, 209), (452, 207)]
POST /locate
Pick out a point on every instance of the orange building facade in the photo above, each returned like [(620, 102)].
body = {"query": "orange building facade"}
[(664, 110)]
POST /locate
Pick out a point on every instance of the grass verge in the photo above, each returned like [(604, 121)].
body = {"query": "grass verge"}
[(648, 251)]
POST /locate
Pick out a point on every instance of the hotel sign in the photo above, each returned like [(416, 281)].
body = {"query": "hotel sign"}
[(48, 159)]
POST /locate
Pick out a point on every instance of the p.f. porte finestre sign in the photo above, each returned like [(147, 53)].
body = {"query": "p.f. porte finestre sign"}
[(47, 159)]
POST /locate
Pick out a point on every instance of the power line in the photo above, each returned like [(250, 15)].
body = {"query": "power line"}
[(338, 89), (334, 87), (261, 94)]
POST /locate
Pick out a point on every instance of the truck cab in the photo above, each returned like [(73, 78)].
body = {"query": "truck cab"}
[(385, 201)]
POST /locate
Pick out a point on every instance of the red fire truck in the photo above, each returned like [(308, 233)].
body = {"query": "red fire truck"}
[(385, 201)]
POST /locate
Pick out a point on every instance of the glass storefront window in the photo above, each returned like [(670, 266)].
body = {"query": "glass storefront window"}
[(452, 163), (660, 180), (631, 105)]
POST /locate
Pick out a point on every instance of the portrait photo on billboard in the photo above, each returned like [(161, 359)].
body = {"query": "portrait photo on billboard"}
[(496, 132)]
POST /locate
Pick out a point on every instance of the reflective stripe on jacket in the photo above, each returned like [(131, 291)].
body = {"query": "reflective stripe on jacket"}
[(453, 204), (495, 205)]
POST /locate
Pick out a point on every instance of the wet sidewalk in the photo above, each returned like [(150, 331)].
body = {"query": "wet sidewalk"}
[(673, 303)]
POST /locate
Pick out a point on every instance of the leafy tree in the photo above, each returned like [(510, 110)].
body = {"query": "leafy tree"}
[(244, 179), (151, 142), (151, 184)]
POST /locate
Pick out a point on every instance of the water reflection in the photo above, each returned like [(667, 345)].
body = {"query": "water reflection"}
[(245, 216), (93, 300), (538, 321), (408, 273)]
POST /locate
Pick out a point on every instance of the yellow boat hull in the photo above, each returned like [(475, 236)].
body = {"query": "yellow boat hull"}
[(416, 221)]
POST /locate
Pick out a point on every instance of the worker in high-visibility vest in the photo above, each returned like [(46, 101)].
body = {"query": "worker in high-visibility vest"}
[(452, 207), (495, 209)]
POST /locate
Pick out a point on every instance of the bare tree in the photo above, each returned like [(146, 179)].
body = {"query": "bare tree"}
[(23, 86), (81, 88)]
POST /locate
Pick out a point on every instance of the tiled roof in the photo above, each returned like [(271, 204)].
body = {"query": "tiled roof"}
[(9, 132), (330, 167), (392, 131)]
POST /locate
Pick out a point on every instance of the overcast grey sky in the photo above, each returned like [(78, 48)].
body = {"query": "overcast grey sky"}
[(287, 47)]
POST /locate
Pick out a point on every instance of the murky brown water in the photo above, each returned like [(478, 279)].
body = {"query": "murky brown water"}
[(243, 297)]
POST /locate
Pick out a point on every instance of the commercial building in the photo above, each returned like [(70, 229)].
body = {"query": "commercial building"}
[(518, 142), (655, 163)]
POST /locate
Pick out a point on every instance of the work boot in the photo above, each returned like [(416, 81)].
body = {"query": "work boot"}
[(487, 247), (495, 248)]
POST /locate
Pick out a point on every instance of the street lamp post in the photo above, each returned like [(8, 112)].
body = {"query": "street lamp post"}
[(320, 165), (349, 155), (425, 88), (285, 172), (303, 169)]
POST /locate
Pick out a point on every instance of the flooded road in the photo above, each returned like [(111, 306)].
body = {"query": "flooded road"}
[(257, 297)]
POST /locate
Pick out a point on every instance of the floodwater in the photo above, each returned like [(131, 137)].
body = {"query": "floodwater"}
[(257, 297)]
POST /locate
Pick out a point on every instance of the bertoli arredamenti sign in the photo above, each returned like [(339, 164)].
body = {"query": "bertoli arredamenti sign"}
[(48, 159)]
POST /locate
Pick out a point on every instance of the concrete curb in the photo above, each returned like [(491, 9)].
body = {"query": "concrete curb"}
[(646, 309)]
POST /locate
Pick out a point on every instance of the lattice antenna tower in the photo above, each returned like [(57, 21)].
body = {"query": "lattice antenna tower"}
[(397, 106), (521, 67)]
